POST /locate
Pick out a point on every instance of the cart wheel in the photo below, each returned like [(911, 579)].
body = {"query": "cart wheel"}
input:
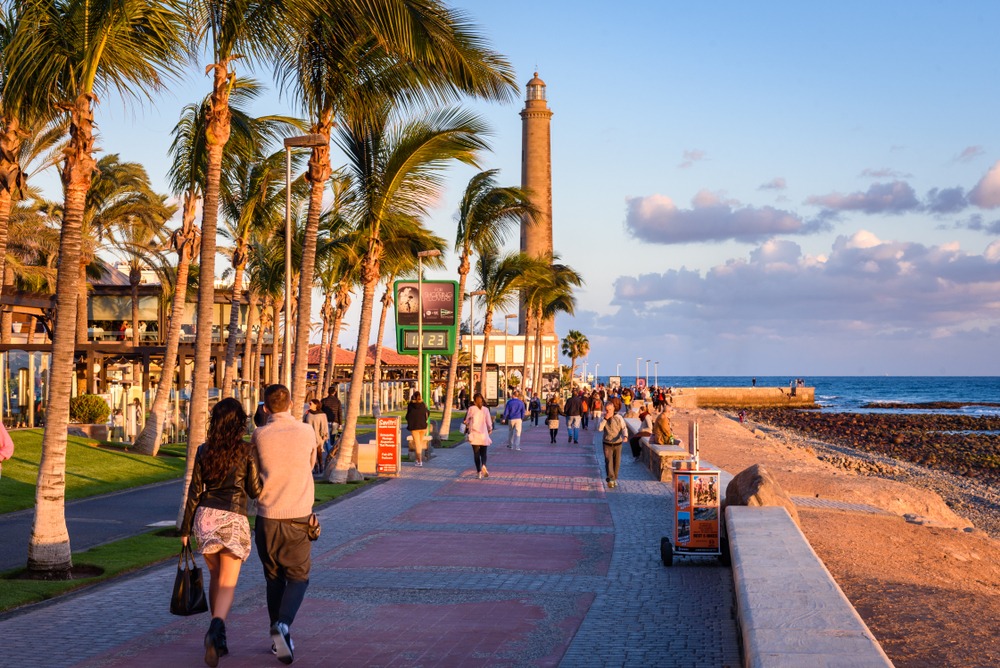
[(666, 552), (725, 558)]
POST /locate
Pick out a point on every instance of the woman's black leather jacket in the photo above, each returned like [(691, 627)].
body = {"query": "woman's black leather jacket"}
[(231, 494)]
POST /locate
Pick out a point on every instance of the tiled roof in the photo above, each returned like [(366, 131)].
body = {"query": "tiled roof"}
[(346, 357)]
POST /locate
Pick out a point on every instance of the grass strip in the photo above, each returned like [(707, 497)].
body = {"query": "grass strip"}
[(124, 556), (91, 469)]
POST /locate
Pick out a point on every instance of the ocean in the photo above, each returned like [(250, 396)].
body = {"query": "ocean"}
[(851, 393)]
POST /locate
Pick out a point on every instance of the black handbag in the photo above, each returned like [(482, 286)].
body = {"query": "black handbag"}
[(188, 597)]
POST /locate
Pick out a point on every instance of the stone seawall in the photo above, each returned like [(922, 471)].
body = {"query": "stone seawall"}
[(743, 397)]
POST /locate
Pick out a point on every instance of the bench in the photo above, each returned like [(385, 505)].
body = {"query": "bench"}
[(790, 610), (654, 456)]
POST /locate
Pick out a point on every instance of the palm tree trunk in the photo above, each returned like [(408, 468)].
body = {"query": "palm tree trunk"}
[(343, 303), (134, 277), (323, 343), (81, 302), (11, 179), (148, 440), (217, 119), (276, 309), (487, 330), (449, 392), (538, 350), (258, 353), (377, 371), (239, 265), (49, 548), (318, 175), (252, 318), (348, 441)]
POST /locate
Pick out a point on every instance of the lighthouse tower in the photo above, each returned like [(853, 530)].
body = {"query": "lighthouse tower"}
[(536, 177)]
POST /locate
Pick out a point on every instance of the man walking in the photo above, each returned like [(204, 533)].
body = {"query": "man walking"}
[(513, 415), (334, 410), (614, 432), (573, 410), (285, 453)]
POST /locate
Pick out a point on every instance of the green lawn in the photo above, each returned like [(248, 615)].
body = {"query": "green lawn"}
[(90, 470)]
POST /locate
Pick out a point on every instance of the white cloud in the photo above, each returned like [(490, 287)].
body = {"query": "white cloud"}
[(777, 183), (986, 193), (895, 197), (970, 153), (690, 157), (711, 218)]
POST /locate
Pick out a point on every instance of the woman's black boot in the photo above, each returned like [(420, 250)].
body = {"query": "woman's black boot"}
[(220, 640), (211, 638)]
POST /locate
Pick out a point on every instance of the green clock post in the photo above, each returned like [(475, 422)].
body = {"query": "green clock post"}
[(425, 322)]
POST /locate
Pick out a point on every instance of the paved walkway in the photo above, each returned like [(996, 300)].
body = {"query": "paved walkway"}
[(538, 565)]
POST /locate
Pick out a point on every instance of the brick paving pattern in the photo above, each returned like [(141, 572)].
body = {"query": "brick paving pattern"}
[(538, 565)]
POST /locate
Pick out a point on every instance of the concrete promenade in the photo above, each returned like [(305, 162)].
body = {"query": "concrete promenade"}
[(538, 565)]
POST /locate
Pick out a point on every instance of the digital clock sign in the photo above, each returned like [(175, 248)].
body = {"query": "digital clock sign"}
[(434, 340)]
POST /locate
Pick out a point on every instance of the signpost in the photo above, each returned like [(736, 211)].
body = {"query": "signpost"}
[(425, 322), (387, 457)]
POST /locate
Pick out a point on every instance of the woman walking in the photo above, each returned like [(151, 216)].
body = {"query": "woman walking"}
[(224, 477), (552, 411), (316, 418), (478, 427), (416, 422)]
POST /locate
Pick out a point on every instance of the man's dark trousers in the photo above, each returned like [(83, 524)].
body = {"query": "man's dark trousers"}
[(286, 554)]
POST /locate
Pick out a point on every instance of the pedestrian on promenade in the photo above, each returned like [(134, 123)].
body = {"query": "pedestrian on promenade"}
[(513, 415), (613, 431), (573, 410), (416, 422), (316, 419), (334, 411), (478, 427), (552, 412), (285, 453), (224, 476), (584, 410), (535, 407), (596, 406), (645, 430), (6, 445)]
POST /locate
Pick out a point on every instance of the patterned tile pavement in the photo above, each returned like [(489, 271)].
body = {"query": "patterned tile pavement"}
[(538, 565)]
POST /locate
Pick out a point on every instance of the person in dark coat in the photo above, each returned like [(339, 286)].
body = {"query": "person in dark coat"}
[(416, 422)]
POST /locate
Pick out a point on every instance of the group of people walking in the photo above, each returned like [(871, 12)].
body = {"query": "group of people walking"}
[(274, 467)]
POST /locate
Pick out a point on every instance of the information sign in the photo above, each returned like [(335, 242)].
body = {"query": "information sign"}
[(387, 459), (696, 511), (614, 381), (438, 303)]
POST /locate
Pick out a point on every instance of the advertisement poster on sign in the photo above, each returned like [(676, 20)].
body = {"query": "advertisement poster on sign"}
[(696, 507), (387, 445)]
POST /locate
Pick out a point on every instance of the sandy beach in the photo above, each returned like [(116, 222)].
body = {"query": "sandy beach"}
[(922, 574)]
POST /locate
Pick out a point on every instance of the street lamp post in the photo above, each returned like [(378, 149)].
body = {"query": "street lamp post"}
[(597, 379), (301, 141), (506, 352), (420, 320), (637, 360), (656, 374), (472, 341), (647, 373)]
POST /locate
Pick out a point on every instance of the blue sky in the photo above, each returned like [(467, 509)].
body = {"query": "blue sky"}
[(748, 188)]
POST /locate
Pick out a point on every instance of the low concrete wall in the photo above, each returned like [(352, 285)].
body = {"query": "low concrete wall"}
[(743, 397), (790, 610)]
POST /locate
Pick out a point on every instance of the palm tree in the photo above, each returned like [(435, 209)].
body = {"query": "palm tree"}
[(64, 54), (396, 167), (574, 346), (499, 276), (344, 62), (547, 290), (486, 215), (231, 29)]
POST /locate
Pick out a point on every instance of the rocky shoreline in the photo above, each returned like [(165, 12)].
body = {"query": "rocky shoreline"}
[(946, 454)]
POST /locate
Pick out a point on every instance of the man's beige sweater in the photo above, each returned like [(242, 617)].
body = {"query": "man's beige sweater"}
[(286, 453)]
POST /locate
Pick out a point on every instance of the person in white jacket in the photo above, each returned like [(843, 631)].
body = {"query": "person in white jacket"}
[(478, 427)]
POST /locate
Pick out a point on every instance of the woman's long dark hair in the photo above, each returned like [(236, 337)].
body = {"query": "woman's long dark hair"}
[(225, 446)]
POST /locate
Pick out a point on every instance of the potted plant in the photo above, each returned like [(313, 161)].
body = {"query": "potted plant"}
[(88, 415)]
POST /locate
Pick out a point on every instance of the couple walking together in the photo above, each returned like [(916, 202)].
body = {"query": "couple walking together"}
[(275, 468)]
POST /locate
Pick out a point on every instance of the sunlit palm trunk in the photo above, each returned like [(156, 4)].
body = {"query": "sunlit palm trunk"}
[(252, 321), (49, 548), (216, 135), (10, 176), (148, 441), (134, 278), (348, 442), (487, 330), (318, 175), (258, 352), (449, 393), (239, 267), (377, 370), (276, 308), (324, 341), (81, 301), (343, 303)]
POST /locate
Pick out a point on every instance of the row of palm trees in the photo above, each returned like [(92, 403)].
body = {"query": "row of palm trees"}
[(373, 77)]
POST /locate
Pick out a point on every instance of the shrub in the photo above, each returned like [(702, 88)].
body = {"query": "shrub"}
[(88, 409)]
